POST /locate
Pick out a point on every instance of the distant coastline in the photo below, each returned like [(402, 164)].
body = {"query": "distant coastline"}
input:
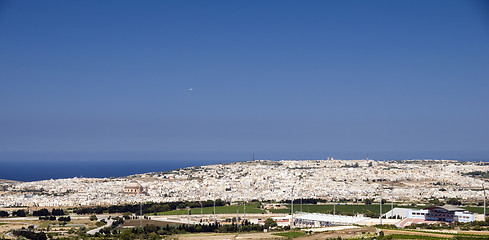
[(43, 170)]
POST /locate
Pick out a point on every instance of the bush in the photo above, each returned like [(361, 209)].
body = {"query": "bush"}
[(42, 212), (30, 234), (93, 218), (19, 213), (64, 219), (4, 214)]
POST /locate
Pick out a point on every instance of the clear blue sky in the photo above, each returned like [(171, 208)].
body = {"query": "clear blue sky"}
[(301, 79)]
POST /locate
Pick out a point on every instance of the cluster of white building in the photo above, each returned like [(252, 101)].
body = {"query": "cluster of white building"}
[(264, 180)]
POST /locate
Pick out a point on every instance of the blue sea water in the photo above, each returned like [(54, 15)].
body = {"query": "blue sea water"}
[(40, 170), (32, 166), (42, 166)]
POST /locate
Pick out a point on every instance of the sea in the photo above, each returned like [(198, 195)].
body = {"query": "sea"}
[(34, 166)]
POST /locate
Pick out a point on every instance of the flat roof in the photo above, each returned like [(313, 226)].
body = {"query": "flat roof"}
[(448, 208)]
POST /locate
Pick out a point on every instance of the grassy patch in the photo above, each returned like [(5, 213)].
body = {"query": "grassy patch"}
[(290, 234), (340, 209), (474, 209), (219, 210)]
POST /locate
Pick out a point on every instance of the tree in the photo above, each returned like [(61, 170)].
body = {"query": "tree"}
[(57, 212), (42, 212), (64, 219), (454, 201), (367, 201), (30, 234), (435, 201), (269, 223), (4, 214), (93, 218), (19, 213)]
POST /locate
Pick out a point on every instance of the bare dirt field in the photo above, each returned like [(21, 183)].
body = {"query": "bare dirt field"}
[(388, 231), (230, 236), (347, 233)]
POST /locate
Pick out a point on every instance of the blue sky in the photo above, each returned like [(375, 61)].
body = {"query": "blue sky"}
[(300, 79)]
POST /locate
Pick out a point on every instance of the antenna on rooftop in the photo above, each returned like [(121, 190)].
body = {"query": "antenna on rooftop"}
[(253, 156), (367, 156)]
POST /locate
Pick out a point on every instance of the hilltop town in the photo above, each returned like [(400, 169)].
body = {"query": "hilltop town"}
[(334, 180)]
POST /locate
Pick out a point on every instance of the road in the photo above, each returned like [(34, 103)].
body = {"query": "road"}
[(96, 230)]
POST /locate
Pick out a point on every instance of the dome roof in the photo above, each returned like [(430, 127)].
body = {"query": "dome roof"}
[(133, 184)]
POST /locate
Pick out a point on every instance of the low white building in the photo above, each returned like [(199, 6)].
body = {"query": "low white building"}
[(446, 213), (325, 220)]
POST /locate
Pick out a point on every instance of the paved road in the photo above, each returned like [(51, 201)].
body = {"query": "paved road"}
[(96, 230)]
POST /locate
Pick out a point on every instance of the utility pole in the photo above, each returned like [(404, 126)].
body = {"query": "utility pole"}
[(200, 207), (292, 209), (188, 215), (215, 219), (140, 214), (140, 218), (392, 203), (380, 206), (301, 204), (334, 207), (244, 211), (484, 189)]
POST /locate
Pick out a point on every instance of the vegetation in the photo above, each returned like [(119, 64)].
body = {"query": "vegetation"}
[(369, 210), (290, 234), (476, 226), (454, 201), (4, 214), (270, 223), (477, 174), (64, 219), (156, 232), (474, 209), (51, 218), (42, 212), (149, 207), (407, 236), (251, 208), (305, 201), (30, 234), (57, 212), (19, 213)]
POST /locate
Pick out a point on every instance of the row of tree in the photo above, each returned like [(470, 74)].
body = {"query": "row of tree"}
[(152, 231), (149, 207), (18, 213), (45, 212), (30, 234)]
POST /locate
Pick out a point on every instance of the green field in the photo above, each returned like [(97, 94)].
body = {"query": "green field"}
[(252, 208), (475, 209), (319, 208), (340, 209), (290, 234)]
